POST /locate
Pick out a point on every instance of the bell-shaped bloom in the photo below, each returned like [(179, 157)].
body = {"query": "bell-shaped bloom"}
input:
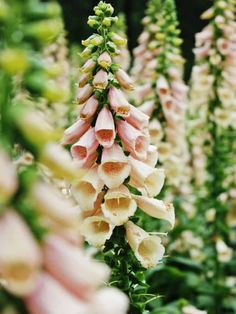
[(164, 150), (85, 146), (118, 205), (20, 256), (155, 131), (104, 60), (137, 118), (114, 167), (74, 270), (75, 131), (147, 248), (142, 175), (124, 80), (139, 50), (59, 161), (50, 297), (224, 252), (96, 230), (87, 189), (84, 93), (156, 208), (162, 86), (8, 178), (152, 156), (48, 201), (83, 80), (88, 66), (134, 141), (143, 91), (100, 80), (89, 108), (118, 102), (147, 107), (109, 300), (105, 128)]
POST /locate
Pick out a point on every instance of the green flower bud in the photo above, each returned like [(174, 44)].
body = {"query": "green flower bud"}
[(160, 36), (117, 39), (98, 12), (87, 51), (177, 41), (87, 41), (97, 40), (14, 61), (107, 21), (93, 21)]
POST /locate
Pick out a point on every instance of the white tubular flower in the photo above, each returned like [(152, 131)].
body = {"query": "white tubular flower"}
[(118, 205), (147, 248), (225, 253), (96, 230), (142, 175), (86, 191), (156, 208)]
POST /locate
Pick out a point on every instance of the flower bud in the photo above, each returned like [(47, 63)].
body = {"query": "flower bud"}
[(124, 80), (84, 93), (88, 66), (117, 39), (104, 60), (100, 80)]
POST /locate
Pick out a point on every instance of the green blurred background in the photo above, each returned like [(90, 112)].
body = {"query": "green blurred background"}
[(189, 11)]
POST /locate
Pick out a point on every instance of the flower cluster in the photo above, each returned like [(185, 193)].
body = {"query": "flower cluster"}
[(38, 222), (111, 143), (163, 91)]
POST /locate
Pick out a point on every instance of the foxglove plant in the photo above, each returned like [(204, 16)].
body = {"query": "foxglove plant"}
[(43, 270), (162, 92), (111, 143), (212, 137)]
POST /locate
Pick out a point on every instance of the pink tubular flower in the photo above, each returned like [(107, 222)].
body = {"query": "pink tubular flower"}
[(84, 93), (89, 108), (118, 102), (50, 297), (85, 146), (147, 107), (137, 118), (135, 142), (75, 271), (124, 80), (162, 86), (104, 60), (83, 80), (75, 131), (105, 128), (100, 80), (142, 175), (20, 256), (88, 66), (114, 168)]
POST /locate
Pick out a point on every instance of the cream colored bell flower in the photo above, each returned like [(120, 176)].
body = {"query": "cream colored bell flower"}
[(147, 248), (87, 189), (114, 167), (224, 252), (142, 175), (20, 256), (118, 205), (164, 150), (155, 131), (152, 156), (156, 208), (96, 230)]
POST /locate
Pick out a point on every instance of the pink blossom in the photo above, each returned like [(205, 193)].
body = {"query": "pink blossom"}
[(105, 128)]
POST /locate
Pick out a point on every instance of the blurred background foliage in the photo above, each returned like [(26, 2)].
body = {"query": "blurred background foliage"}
[(76, 12)]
